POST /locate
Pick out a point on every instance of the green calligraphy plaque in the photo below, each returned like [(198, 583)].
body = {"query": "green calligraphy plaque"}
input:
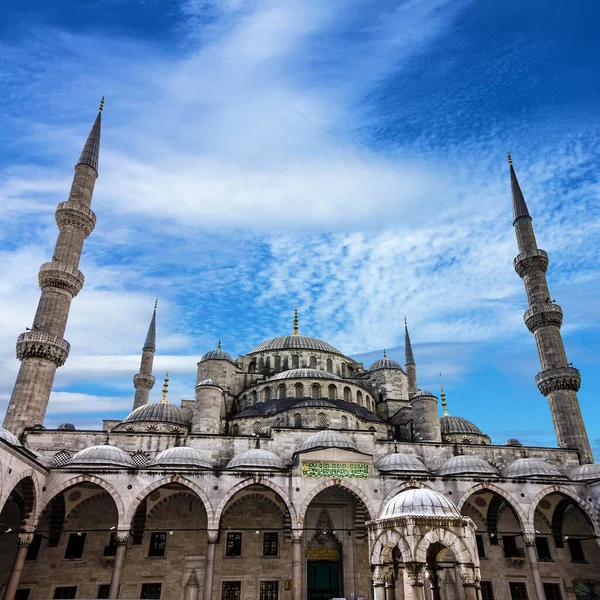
[(335, 470)]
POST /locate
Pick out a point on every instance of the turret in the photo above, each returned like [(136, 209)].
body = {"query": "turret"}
[(558, 380), (426, 420), (411, 368), (43, 348), (144, 380), (209, 412)]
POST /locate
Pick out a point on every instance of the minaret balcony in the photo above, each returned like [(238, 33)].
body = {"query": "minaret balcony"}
[(142, 381), (559, 378), (75, 214), (543, 314), (61, 275), (37, 344), (531, 260)]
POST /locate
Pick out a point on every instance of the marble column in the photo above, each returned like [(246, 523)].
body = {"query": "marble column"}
[(535, 569), (24, 542), (390, 587), (415, 573), (115, 580), (470, 581), (296, 566), (191, 587), (209, 569)]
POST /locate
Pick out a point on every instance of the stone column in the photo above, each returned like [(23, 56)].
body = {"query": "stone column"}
[(470, 581), (25, 540), (378, 585), (209, 570), (296, 566), (460, 591), (115, 580), (535, 569), (191, 587), (390, 587), (416, 576)]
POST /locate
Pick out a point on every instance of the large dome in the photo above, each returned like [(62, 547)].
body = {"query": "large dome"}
[(327, 439), (466, 465), (450, 424), (160, 412), (304, 373), (7, 436), (181, 456), (294, 342), (420, 502), (102, 455), (256, 458), (402, 463), (524, 468)]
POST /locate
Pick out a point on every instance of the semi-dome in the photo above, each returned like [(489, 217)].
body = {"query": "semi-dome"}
[(385, 363), (294, 342), (304, 373), (420, 502), (466, 465), (524, 468), (181, 456), (217, 354), (402, 463), (316, 403), (512, 442), (327, 438), (586, 472), (160, 412), (450, 424), (256, 458), (104, 454), (7, 436)]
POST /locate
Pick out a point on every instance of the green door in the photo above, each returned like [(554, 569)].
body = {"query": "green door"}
[(323, 579)]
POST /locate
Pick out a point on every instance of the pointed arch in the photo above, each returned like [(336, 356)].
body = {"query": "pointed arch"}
[(385, 543), (31, 490), (445, 537)]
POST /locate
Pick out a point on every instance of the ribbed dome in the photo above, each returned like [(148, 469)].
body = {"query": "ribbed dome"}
[(294, 342), (466, 465), (586, 473), (421, 502), (256, 458), (181, 456), (208, 382), (67, 427), (217, 354), (450, 424), (524, 468), (402, 463), (304, 373), (103, 455), (7, 436), (327, 439), (160, 412), (385, 363), (315, 403), (512, 442)]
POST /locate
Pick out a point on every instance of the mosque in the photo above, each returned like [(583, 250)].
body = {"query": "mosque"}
[(294, 473)]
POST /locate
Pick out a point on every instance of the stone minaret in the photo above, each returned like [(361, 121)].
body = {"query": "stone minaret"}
[(144, 380), (558, 380), (42, 348), (411, 368)]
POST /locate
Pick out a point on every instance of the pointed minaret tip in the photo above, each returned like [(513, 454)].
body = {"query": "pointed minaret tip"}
[(520, 210), (101, 107), (408, 351), (444, 403), (509, 159), (384, 354), (150, 343), (219, 345), (91, 151)]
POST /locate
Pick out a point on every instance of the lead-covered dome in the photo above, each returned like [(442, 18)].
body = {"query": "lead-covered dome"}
[(525, 468), (304, 374), (385, 363), (450, 424), (217, 354), (420, 502), (160, 412), (586, 472), (467, 465), (256, 458), (294, 342), (181, 456), (327, 439), (105, 455), (7, 436), (402, 463)]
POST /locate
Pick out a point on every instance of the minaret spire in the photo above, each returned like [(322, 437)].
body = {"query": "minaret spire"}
[(144, 380), (558, 380), (411, 368), (43, 348), (165, 389), (295, 322)]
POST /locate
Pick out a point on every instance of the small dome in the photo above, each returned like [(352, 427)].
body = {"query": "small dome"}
[(7, 436), (208, 382), (181, 456), (421, 393), (586, 473), (160, 412), (294, 342), (327, 439), (102, 455), (67, 427), (525, 468), (217, 354), (450, 424), (466, 465), (512, 442), (304, 373), (256, 458), (420, 502), (385, 363), (402, 463)]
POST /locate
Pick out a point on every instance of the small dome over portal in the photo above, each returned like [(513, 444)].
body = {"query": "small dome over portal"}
[(256, 458), (402, 463), (181, 456), (420, 502), (525, 468), (467, 465), (327, 439), (104, 454)]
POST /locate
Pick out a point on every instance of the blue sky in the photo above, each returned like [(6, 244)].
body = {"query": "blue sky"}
[(345, 157)]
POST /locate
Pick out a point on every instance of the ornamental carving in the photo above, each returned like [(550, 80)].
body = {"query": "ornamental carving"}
[(143, 382), (322, 554), (561, 378), (37, 344), (61, 275), (25, 540), (335, 470), (533, 260), (75, 214), (543, 314)]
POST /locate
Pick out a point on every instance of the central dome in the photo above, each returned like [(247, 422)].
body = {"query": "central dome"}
[(421, 502), (449, 424), (294, 342)]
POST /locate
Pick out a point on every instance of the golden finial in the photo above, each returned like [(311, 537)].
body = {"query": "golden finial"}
[(384, 354), (155, 303), (165, 388), (295, 322), (101, 107), (509, 159), (444, 403), (219, 346)]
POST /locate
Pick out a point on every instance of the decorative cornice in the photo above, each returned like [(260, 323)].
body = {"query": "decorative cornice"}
[(560, 378), (37, 344), (75, 214), (62, 276), (543, 314)]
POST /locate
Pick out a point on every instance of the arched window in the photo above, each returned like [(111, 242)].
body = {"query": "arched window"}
[(252, 367), (257, 427), (268, 363), (261, 365), (332, 392), (329, 365), (299, 390), (343, 369), (347, 394), (285, 364), (321, 421), (254, 396), (235, 430), (277, 422), (313, 362), (244, 402), (372, 429), (466, 440), (267, 394), (297, 420), (344, 422), (277, 363), (281, 391), (61, 458), (359, 398), (316, 391), (295, 361)]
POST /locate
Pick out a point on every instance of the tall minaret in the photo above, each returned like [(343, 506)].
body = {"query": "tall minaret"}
[(42, 349), (411, 368), (558, 380), (144, 380)]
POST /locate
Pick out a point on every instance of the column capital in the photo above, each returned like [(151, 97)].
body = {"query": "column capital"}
[(297, 536), (25, 539), (122, 539), (415, 572), (212, 536)]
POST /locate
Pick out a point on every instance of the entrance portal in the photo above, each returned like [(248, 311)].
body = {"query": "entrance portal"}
[(323, 579)]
